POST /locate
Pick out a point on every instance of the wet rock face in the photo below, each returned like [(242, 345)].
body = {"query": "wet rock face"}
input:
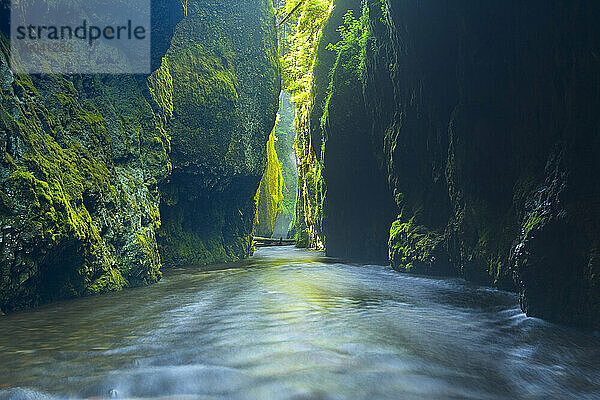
[(85, 160), (556, 255), (224, 69), (350, 202), (488, 135), (81, 158)]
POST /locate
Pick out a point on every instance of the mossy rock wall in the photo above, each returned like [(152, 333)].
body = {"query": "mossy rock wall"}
[(312, 19), (270, 193), (86, 167), (221, 108), (488, 135), (81, 160), (284, 146), (357, 206)]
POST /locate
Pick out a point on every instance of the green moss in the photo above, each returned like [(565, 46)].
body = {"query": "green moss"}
[(54, 178), (298, 66), (191, 238), (160, 85), (190, 248), (225, 74), (413, 247), (302, 238), (270, 192), (49, 183), (204, 79), (534, 221), (110, 281), (73, 188)]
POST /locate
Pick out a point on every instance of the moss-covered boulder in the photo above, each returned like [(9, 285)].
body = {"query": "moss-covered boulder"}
[(221, 108)]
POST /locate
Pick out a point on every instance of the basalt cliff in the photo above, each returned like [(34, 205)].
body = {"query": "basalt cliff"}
[(104, 178), (460, 138)]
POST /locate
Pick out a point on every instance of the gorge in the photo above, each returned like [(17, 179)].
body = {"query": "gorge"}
[(436, 163)]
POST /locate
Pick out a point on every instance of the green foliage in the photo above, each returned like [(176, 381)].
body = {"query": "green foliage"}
[(348, 69), (354, 35), (298, 62), (298, 65)]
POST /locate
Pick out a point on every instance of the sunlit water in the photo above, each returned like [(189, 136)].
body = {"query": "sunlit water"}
[(290, 324)]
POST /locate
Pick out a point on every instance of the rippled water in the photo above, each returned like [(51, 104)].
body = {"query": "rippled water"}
[(290, 324)]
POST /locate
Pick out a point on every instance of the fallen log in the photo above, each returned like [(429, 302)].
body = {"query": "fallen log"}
[(265, 242)]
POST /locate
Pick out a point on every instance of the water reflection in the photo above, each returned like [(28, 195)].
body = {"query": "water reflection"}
[(290, 324)]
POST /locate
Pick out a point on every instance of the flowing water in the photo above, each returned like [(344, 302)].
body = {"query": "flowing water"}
[(291, 324)]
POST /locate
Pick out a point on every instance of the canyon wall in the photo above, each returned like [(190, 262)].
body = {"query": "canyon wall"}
[(277, 193), (467, 134), (220, 110), (286, 136), (270, 193), (95, 170)]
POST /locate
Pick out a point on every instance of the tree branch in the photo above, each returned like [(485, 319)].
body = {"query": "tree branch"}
[(291, 12)]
